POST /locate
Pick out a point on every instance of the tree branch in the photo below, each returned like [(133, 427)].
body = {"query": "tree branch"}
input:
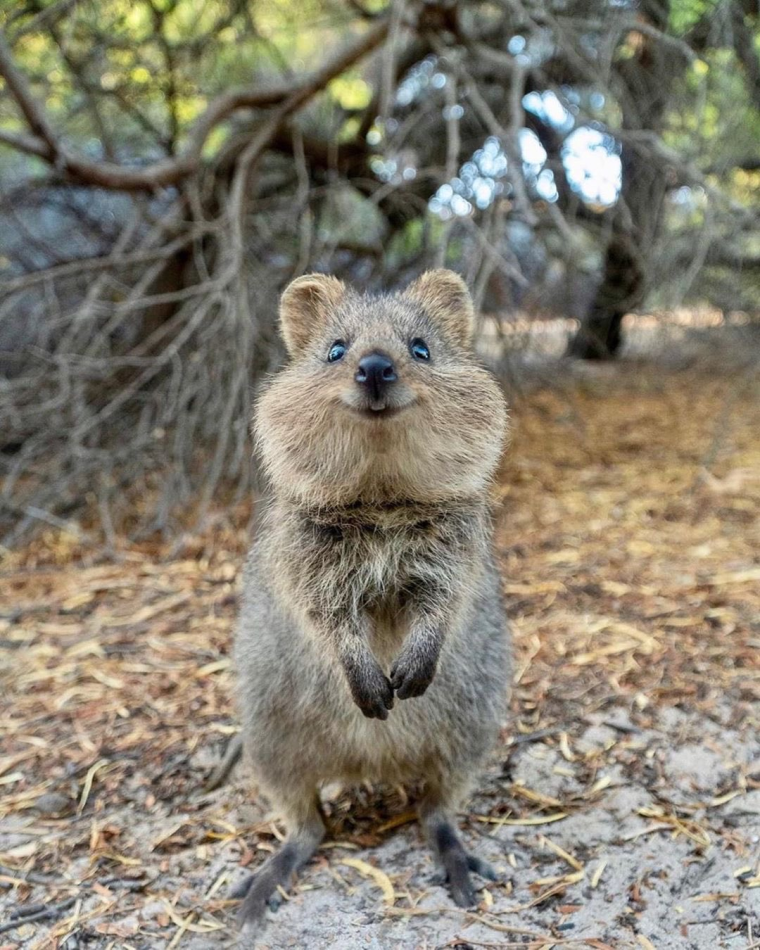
[(22, 93), (24, 143), (744, 45), (167, 172)]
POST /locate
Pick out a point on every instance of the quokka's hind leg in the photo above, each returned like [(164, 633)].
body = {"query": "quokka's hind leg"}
[(306, 829), (437, 816)]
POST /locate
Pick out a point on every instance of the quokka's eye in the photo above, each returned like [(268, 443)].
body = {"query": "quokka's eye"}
[(419, 349), (336, 352)]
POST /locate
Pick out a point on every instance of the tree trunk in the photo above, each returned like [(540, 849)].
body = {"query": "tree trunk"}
[(643, 94), (600, 335)]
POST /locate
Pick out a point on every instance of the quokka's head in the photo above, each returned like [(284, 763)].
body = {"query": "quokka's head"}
[(382, 399)]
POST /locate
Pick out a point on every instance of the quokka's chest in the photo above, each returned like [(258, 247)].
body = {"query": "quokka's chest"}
[(380, 563), (385, 566)]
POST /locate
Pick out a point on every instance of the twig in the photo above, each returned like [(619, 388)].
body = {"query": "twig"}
[(53, 911), (31, 876)]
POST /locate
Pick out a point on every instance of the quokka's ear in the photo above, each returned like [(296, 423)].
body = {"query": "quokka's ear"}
[(445, 298), (305, 307)]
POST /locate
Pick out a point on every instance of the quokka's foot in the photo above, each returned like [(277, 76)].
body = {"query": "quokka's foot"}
[(239, 891), (260, 894), (481, 868), (457, 864), (244, 888), (259, 890), (459, 882)]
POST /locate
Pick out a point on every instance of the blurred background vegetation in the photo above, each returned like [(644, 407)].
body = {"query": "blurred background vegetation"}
[(166, 166)]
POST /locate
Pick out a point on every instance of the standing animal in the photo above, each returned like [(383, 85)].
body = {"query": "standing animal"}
[(372, 642)]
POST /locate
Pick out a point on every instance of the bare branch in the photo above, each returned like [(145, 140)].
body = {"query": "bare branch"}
[(46, 17), (24, 143), (170, 171), (22, 93)]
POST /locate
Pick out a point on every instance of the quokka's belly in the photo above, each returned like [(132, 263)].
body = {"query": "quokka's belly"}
[(452, 726), (301, 723)]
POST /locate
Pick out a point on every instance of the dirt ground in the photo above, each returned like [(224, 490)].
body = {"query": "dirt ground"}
[(622, 808)]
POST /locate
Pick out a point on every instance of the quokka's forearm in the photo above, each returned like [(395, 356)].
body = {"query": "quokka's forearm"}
[(370, 687), (347, 635), (433, 615)]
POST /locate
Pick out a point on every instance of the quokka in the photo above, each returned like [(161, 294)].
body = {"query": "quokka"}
[(372, 642)]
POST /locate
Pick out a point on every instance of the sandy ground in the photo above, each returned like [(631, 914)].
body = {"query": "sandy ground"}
[(622, 808), (652, 851), (629, 878)]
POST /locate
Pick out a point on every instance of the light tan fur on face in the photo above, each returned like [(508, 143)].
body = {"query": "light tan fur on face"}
[(448, 432)]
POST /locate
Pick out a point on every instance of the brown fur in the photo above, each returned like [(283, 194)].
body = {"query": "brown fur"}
[(372, 577)]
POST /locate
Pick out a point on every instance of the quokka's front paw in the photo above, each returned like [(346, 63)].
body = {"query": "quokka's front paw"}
[(372, 691), (413, 672)]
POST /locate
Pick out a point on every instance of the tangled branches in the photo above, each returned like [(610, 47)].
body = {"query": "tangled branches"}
[(138, 378), (437, 133)]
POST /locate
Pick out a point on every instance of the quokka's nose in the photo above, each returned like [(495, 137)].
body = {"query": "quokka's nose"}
[(376, 371)]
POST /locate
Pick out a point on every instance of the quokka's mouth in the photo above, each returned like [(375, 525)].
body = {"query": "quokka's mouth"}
[(379, 414), (381, 410)]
